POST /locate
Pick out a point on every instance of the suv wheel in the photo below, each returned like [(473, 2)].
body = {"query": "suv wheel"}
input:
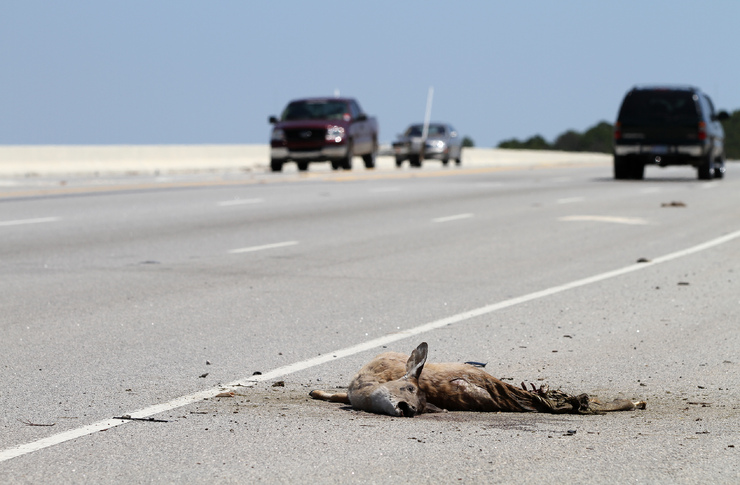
[(276, 164), (302, 166), (705, 170), (719, 168), (638, 171), (625, 168), (621, 169)]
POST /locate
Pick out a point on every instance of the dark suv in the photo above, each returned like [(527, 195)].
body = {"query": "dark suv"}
[(668, 126)]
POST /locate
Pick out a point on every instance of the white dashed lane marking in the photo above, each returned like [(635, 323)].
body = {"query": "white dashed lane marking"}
[(611, 219), (20, 222), (453, 218), (264, 246)]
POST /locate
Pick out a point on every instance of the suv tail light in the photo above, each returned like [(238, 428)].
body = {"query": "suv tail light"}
[(618, 130), (702, 130)]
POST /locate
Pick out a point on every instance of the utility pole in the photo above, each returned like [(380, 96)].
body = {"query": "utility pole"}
[(425, 129)]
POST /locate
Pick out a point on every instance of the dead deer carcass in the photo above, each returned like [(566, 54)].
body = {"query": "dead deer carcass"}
[(400, 385)]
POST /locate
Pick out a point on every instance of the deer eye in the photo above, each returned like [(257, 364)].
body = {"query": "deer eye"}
[(411, 389)]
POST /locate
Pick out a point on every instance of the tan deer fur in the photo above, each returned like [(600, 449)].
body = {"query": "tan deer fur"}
[(400, 385)]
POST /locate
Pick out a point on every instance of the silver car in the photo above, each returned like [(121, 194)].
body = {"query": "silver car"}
[(442, 143)]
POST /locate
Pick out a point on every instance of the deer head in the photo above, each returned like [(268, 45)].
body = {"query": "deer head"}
[(403, 397)]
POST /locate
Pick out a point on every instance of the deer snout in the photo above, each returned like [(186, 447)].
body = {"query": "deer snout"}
[(407, 410)]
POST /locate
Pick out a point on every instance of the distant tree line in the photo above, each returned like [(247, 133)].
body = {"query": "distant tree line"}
[(599, 137), (732, 136)]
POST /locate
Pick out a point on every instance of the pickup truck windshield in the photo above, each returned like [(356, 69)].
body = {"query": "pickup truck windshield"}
[(315, 110)]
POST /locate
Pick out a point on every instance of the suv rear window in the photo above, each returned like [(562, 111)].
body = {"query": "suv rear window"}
[(659, 106)]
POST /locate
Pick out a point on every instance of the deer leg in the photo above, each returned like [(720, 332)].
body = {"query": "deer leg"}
[(617, 405), (328, 396)]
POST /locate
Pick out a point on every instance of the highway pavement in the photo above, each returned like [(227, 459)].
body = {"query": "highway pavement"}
[(206, 306)]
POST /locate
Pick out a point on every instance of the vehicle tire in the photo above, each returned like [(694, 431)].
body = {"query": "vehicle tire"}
[(445, 162), (415, 161), (399, 162), (638, 171), (621, 168), (346, 162), (336, 164), (705, 170), (276, 164), (458, 161), (369, 159), (302, 166), (719, 168)]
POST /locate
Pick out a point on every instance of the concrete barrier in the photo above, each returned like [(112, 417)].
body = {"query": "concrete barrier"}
[(24, 161)]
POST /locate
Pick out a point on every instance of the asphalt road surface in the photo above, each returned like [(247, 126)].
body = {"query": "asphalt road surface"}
[(149, 297)]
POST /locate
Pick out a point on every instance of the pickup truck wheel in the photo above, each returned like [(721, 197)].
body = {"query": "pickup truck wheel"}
[(369, 159), (399, 162), (336, 164), (276, 164), (445, 161), (415, 161), (347, 160), (458, 161), (302, 166)]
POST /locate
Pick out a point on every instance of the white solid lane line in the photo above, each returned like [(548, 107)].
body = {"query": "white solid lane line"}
[(264, 246), (613, 219), (226, 203), (453, 218), (250, 381), (29, 221)]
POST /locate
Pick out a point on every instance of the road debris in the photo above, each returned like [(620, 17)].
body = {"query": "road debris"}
[(150, 420), (29, 423)]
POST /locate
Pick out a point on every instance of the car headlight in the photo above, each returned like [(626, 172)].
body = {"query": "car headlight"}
[(278, 135), (335, 133), (435, 144)]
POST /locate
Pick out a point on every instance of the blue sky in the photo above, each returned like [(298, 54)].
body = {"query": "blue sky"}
[(211, 72)]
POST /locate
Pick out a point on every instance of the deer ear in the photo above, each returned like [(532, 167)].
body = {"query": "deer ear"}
[(417, 360)]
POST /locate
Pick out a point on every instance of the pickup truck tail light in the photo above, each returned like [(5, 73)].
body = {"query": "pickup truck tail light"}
[(618, 131)]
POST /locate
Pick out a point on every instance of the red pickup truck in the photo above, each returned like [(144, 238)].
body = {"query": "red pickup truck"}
[(323, 129)]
